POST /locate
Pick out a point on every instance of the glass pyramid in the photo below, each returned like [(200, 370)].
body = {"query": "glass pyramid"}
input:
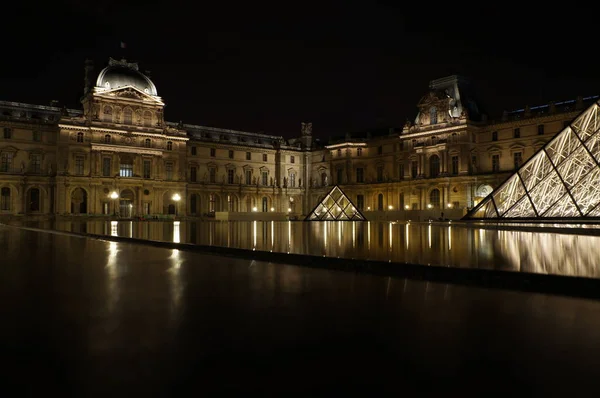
[(335, 206), (561, 180)]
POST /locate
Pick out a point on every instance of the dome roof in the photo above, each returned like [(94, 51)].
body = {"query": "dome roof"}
[(121, 73)]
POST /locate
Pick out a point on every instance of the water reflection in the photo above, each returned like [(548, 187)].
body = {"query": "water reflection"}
[(422, 243)]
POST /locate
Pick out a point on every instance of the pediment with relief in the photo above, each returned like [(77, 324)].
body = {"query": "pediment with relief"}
[(130, 92)]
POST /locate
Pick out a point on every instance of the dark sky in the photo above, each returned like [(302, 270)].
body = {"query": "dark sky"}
[(345, 66)]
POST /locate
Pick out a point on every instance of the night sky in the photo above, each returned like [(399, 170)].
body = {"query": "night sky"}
[(344, 66)]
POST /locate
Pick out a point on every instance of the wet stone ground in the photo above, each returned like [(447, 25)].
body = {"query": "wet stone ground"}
[(85, 317)]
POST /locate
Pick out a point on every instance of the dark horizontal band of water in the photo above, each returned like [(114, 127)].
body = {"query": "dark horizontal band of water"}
[(522, 281)]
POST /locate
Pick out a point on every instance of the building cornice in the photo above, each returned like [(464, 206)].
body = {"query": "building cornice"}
[(121, 132), (125, 149)]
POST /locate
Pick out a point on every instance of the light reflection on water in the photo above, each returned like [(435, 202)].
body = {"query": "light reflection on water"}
[(420, 243)]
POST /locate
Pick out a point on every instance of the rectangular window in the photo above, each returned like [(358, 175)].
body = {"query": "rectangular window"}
[(265, 178), (518, 158), (248, 177), (213, 152), (193, 174), (360, 174), (79, 165), (358, 151), (194, 151), (37, 135), (126, 170), (169, 170), (292, 159), (380, 150), (36, 163), (230, 176), (7, 133), (230, 154), (454, 165), (401, 171), (360, 202), (380, 173), (495, 136), (106, 167), (264, 157), (340, 176), (212, 175), (540, 129), (147, 169), (517, 133), (105, 208), (495, 163), (6, 160), (248, 156), (414, 169), (401, 201), (292, 180), (5, 198)]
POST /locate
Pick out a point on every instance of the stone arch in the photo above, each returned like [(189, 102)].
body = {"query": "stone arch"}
[(248, 202), (435, 198), (79, 200), (35, 197), (126, 203), (170, 204), (214, 202), (232, 202)]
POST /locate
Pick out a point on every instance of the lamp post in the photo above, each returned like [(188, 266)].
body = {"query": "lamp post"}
[(114, 196), (176, 198)]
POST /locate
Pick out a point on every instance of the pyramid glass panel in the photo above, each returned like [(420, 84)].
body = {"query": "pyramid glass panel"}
[(561, 180), (587, 192), (562, 146), (579, 164), (522, 209), (587, 123), (336, 206), (511, 191), (535, 170), (563, 208)]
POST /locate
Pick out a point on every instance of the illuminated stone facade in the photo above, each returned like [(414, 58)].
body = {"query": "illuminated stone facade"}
[(57, 161)]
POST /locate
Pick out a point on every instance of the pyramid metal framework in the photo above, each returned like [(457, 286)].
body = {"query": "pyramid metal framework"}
[(336, 206), (561, 180)]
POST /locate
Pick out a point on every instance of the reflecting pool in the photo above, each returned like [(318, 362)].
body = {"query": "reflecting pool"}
[(441, 244)]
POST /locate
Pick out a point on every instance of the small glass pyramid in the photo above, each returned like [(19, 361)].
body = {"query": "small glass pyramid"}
[(335, 207), (561, 180)]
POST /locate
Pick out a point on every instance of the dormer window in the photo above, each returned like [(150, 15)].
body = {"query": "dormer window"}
[(107, 139), (169, 146), (107, 84), (433, 115)]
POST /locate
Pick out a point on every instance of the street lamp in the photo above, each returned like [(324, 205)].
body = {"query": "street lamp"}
[(176, 198), (114, 196)]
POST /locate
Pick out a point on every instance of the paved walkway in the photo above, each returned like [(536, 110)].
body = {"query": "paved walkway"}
[(86, 317)]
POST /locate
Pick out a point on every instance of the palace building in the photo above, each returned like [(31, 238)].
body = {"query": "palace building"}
[(117, 155)]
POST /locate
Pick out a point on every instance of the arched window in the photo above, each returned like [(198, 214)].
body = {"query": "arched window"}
[(380, 202), (169, 146), (324, 179), (434, 166), (147, 118), (127, 116), (433, 115), (79, 137), (265, 204), (148, 143), (434, 198), (107, 139), (33, 199), (5, 198), (107, 114)]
